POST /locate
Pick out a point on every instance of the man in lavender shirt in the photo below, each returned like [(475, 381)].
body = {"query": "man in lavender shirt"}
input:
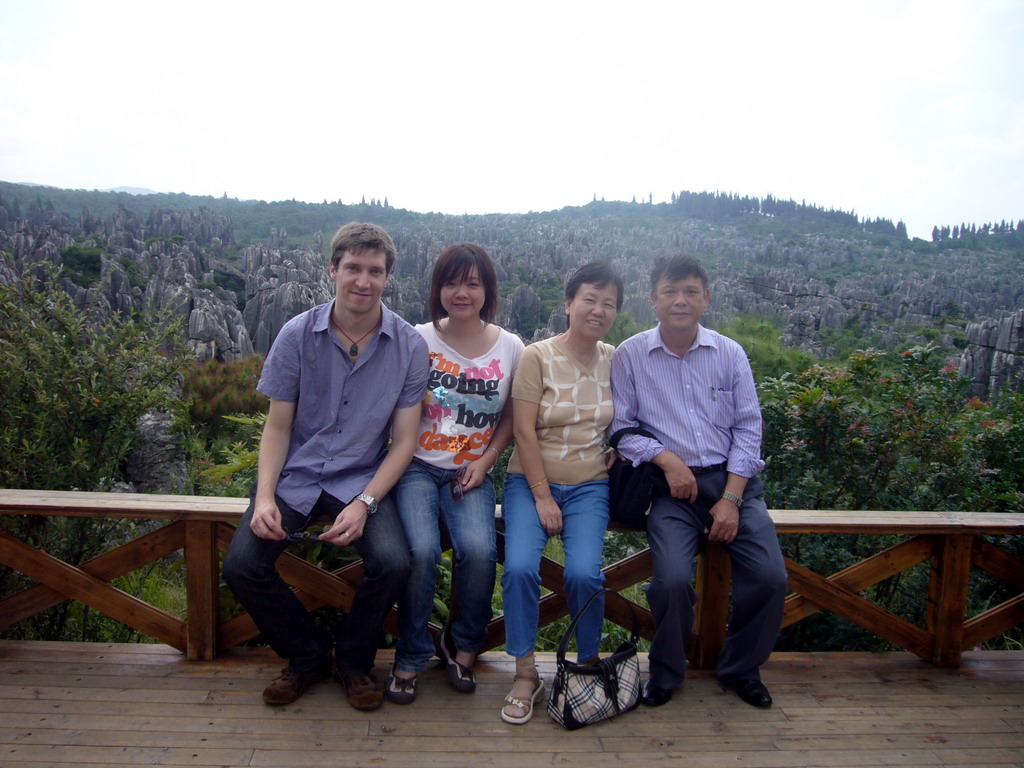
[(343, 378), (693, 389)]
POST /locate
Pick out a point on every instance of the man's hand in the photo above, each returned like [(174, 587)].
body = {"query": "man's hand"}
[(348, 526), (681, 482), (727, 521), (550, 515), (266, 520)]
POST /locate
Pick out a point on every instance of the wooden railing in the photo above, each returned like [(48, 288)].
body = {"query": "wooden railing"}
[(202, 527)]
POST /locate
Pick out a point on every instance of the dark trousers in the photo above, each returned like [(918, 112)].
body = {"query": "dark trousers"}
[(675, 528), (283, 621)]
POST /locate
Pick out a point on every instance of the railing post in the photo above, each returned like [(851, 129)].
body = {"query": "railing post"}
[(202, 578), (714, 578), (947, 598)]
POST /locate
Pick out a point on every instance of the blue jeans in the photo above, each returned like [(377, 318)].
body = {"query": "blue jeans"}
[(584, 522), (424, 501), (283, 621)]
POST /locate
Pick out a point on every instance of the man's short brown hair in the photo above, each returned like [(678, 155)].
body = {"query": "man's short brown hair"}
[(357, 237)]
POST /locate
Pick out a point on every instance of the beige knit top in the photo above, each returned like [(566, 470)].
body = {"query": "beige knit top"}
[(575, 407)]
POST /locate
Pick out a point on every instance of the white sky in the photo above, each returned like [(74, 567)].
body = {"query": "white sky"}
[(900, 109)]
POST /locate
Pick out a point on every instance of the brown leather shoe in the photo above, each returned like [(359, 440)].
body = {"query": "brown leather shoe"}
[(290, 685), (362, 690)]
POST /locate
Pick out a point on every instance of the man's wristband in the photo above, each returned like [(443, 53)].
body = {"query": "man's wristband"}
[(728, 496)]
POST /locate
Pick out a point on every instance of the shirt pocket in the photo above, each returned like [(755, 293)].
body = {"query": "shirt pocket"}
[(723, 408)]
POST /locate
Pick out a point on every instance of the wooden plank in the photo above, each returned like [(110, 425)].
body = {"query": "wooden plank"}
[(849, 604), (832, 709), (109, 565), (92, 591), (202, 589), (227, 509), (316, 582), (996, 620), (996, 561), (84, 755), (714, 578), (947, 598), (866, 573), (137, 505)]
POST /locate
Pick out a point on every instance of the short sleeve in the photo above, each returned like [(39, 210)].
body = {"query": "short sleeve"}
[(280, 377), (416, 377), (528, 383)]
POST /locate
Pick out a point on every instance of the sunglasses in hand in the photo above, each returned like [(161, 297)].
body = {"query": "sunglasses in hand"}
[(456, 485)]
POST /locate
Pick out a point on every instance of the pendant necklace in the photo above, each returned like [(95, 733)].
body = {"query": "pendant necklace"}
[(353, 351)]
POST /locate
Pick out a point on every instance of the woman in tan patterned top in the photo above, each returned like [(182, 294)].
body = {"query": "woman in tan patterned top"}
[(557, 480)]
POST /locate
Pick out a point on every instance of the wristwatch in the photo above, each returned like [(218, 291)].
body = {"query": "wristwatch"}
[(737, 500), (369, 501)]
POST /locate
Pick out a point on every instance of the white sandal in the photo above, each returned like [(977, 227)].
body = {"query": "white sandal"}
[(524, 704)]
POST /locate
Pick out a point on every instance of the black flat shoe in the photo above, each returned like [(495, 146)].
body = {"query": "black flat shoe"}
[(753, 692), (655, 696), (461, 678)]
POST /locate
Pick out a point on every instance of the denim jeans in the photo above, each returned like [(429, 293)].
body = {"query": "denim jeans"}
[(283, 621), (424, 500), (584, 522)]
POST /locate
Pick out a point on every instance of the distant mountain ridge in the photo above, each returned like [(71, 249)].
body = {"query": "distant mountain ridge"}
[(238, 269)]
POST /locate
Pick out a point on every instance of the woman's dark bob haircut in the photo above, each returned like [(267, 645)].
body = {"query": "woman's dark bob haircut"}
[(456, 262), (597, 273)]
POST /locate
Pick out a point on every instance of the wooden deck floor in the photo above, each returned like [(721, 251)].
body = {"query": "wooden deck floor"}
[(76, 704)]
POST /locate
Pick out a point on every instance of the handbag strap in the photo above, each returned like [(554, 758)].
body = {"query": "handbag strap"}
[(613, 441), (563, 645)]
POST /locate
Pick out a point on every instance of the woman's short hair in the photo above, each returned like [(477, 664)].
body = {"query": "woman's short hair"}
[(455, 263), (597, 273), (357, 237)]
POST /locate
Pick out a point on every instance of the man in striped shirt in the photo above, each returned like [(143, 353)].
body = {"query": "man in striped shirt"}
[(693, 389)]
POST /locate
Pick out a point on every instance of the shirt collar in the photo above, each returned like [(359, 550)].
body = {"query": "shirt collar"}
[(705, 338), (322, 318)]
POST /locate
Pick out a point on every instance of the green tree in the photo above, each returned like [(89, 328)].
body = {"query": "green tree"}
[(74, 383), (890, 432), (761, 340)]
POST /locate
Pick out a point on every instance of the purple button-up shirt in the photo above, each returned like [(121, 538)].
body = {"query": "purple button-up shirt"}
[(343, 409), (703, 406)]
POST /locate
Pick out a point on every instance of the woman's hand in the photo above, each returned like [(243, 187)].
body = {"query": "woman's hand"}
[(610, 457), (550, 515), (477, 470)]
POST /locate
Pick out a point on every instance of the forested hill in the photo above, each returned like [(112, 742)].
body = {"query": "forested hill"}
[(828, 279)]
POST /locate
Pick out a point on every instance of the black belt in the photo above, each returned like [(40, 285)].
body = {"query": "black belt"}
[(713, 468)]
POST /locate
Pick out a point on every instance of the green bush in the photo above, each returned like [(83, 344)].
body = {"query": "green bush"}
[(82, 264), (74, 383), (892, 432), (215, 389)]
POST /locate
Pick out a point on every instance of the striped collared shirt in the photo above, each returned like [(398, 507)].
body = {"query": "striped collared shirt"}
[(703, 406)]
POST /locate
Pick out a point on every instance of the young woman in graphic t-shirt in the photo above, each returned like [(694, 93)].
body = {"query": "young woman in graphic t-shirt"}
[(465, 424)]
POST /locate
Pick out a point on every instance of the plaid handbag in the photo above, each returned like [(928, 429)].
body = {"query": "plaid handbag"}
[(589, 693)]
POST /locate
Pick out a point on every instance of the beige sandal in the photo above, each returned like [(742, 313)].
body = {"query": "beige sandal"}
[(526, 705)]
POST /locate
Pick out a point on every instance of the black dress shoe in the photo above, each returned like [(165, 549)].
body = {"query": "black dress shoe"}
[(753, 692), (655, 696)]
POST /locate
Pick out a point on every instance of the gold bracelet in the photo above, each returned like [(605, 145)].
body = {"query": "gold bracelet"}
[(539, 482)]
